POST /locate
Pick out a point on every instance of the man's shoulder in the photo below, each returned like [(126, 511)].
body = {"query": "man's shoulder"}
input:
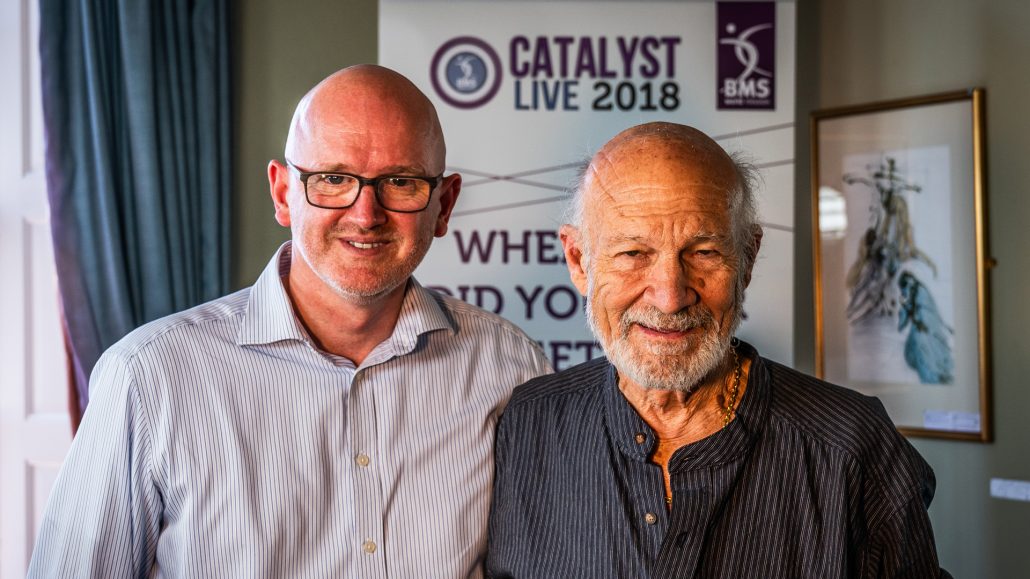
[(839, 418), (566, 406), (468, 318), (217, 319), (856, 431), (550, 391), (821, 407)]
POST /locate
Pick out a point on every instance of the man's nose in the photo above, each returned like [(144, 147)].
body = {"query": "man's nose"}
[(670, 288), (366, 211)]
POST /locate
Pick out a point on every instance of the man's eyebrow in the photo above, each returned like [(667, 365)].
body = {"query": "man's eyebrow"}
[(404, 170), (389, 170), (701, 237), (623, 238)]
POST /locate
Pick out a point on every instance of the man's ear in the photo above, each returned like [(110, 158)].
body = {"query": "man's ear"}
[(279, 187), (752, 254), (573, 244), (449, 190)]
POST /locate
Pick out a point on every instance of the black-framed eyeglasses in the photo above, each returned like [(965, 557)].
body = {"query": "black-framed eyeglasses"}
[(400, 193)]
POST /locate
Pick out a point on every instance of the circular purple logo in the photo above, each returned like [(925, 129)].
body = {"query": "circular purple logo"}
[(466, 72)]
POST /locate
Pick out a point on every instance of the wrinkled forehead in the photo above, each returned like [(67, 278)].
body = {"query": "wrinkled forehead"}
[(697, 157), (656, 176)]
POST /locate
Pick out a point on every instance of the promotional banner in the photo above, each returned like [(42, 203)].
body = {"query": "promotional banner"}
[(528, 91)]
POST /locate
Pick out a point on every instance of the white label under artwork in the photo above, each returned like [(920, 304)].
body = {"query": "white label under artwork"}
[(951, 420), (1016, 490)]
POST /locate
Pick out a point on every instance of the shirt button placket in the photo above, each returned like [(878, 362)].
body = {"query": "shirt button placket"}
[(366, 489)]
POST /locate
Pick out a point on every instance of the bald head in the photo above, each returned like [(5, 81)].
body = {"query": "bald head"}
[(642, 155), (662, 142), (366, 100)]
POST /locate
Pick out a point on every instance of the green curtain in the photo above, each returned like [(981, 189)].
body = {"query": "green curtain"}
[(137, 112)]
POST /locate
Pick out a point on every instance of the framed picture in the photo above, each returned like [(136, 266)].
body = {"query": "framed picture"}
[(901, 259)]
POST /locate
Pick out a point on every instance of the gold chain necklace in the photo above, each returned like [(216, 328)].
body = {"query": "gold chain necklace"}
[(732, 404), (727, 416)]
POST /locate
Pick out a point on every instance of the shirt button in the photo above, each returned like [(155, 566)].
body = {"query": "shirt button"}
[(363, 460), (368, 547), (640, 438), (650, 519)]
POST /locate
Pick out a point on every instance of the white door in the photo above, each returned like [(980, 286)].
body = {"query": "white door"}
[(34, 426)]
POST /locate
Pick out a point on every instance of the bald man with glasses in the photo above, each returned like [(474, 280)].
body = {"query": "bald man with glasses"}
[(336, 418)]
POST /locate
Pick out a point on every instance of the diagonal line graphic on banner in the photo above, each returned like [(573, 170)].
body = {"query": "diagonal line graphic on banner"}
[(521, 173), (540, 185), (774, 164), (764, 224), (515, 177), (536, 184), (577, 164), (778, 227), (492, 208), (509, 206), (467, 184), (491, 178), (754, 131)]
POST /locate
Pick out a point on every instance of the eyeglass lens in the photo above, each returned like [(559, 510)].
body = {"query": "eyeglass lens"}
[(395, 193)]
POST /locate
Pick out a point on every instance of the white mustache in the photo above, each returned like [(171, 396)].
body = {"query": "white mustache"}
[(684, 320)]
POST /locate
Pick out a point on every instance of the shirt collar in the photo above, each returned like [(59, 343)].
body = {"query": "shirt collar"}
[(637, 441), (420, 313), (269, 317)]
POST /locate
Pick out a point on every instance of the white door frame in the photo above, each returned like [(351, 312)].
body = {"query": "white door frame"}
[(35, 431)]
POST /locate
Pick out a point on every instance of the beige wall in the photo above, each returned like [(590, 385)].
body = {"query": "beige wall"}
[(849, 51), (852, 52), (282, 50)]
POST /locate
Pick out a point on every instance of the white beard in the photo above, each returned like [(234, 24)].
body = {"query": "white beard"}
[(681, 366)]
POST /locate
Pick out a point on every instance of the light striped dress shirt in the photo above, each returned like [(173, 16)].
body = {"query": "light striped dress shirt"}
[(221, 442)]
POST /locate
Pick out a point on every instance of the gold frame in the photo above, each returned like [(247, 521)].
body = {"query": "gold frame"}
[(983, 263)]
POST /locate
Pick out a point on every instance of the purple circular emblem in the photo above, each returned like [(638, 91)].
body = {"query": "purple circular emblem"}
[(466, 72)]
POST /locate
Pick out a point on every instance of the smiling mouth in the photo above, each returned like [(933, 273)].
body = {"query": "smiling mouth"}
[(363, 245), (665, 331), (660, 330)]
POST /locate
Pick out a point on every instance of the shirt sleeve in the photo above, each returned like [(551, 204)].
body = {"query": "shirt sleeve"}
[(541, 364), (500, 511), (103, 515), (903, 546)]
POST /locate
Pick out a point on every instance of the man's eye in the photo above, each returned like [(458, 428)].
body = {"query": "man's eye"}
[(333, 179), (707, 252), (402, 183), (630, 253)]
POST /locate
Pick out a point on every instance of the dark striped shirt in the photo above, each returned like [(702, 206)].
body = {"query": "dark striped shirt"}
[(810, 480)]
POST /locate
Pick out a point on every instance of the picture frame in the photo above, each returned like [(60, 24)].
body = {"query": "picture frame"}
[(901, 260)]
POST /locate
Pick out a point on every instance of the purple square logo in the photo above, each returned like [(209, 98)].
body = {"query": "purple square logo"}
[(747, 55)]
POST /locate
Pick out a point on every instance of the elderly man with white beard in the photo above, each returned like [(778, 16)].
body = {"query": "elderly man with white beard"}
[(683, 452)]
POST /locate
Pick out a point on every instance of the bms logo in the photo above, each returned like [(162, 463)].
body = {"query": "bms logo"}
[(466, 72), (747, 57)]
